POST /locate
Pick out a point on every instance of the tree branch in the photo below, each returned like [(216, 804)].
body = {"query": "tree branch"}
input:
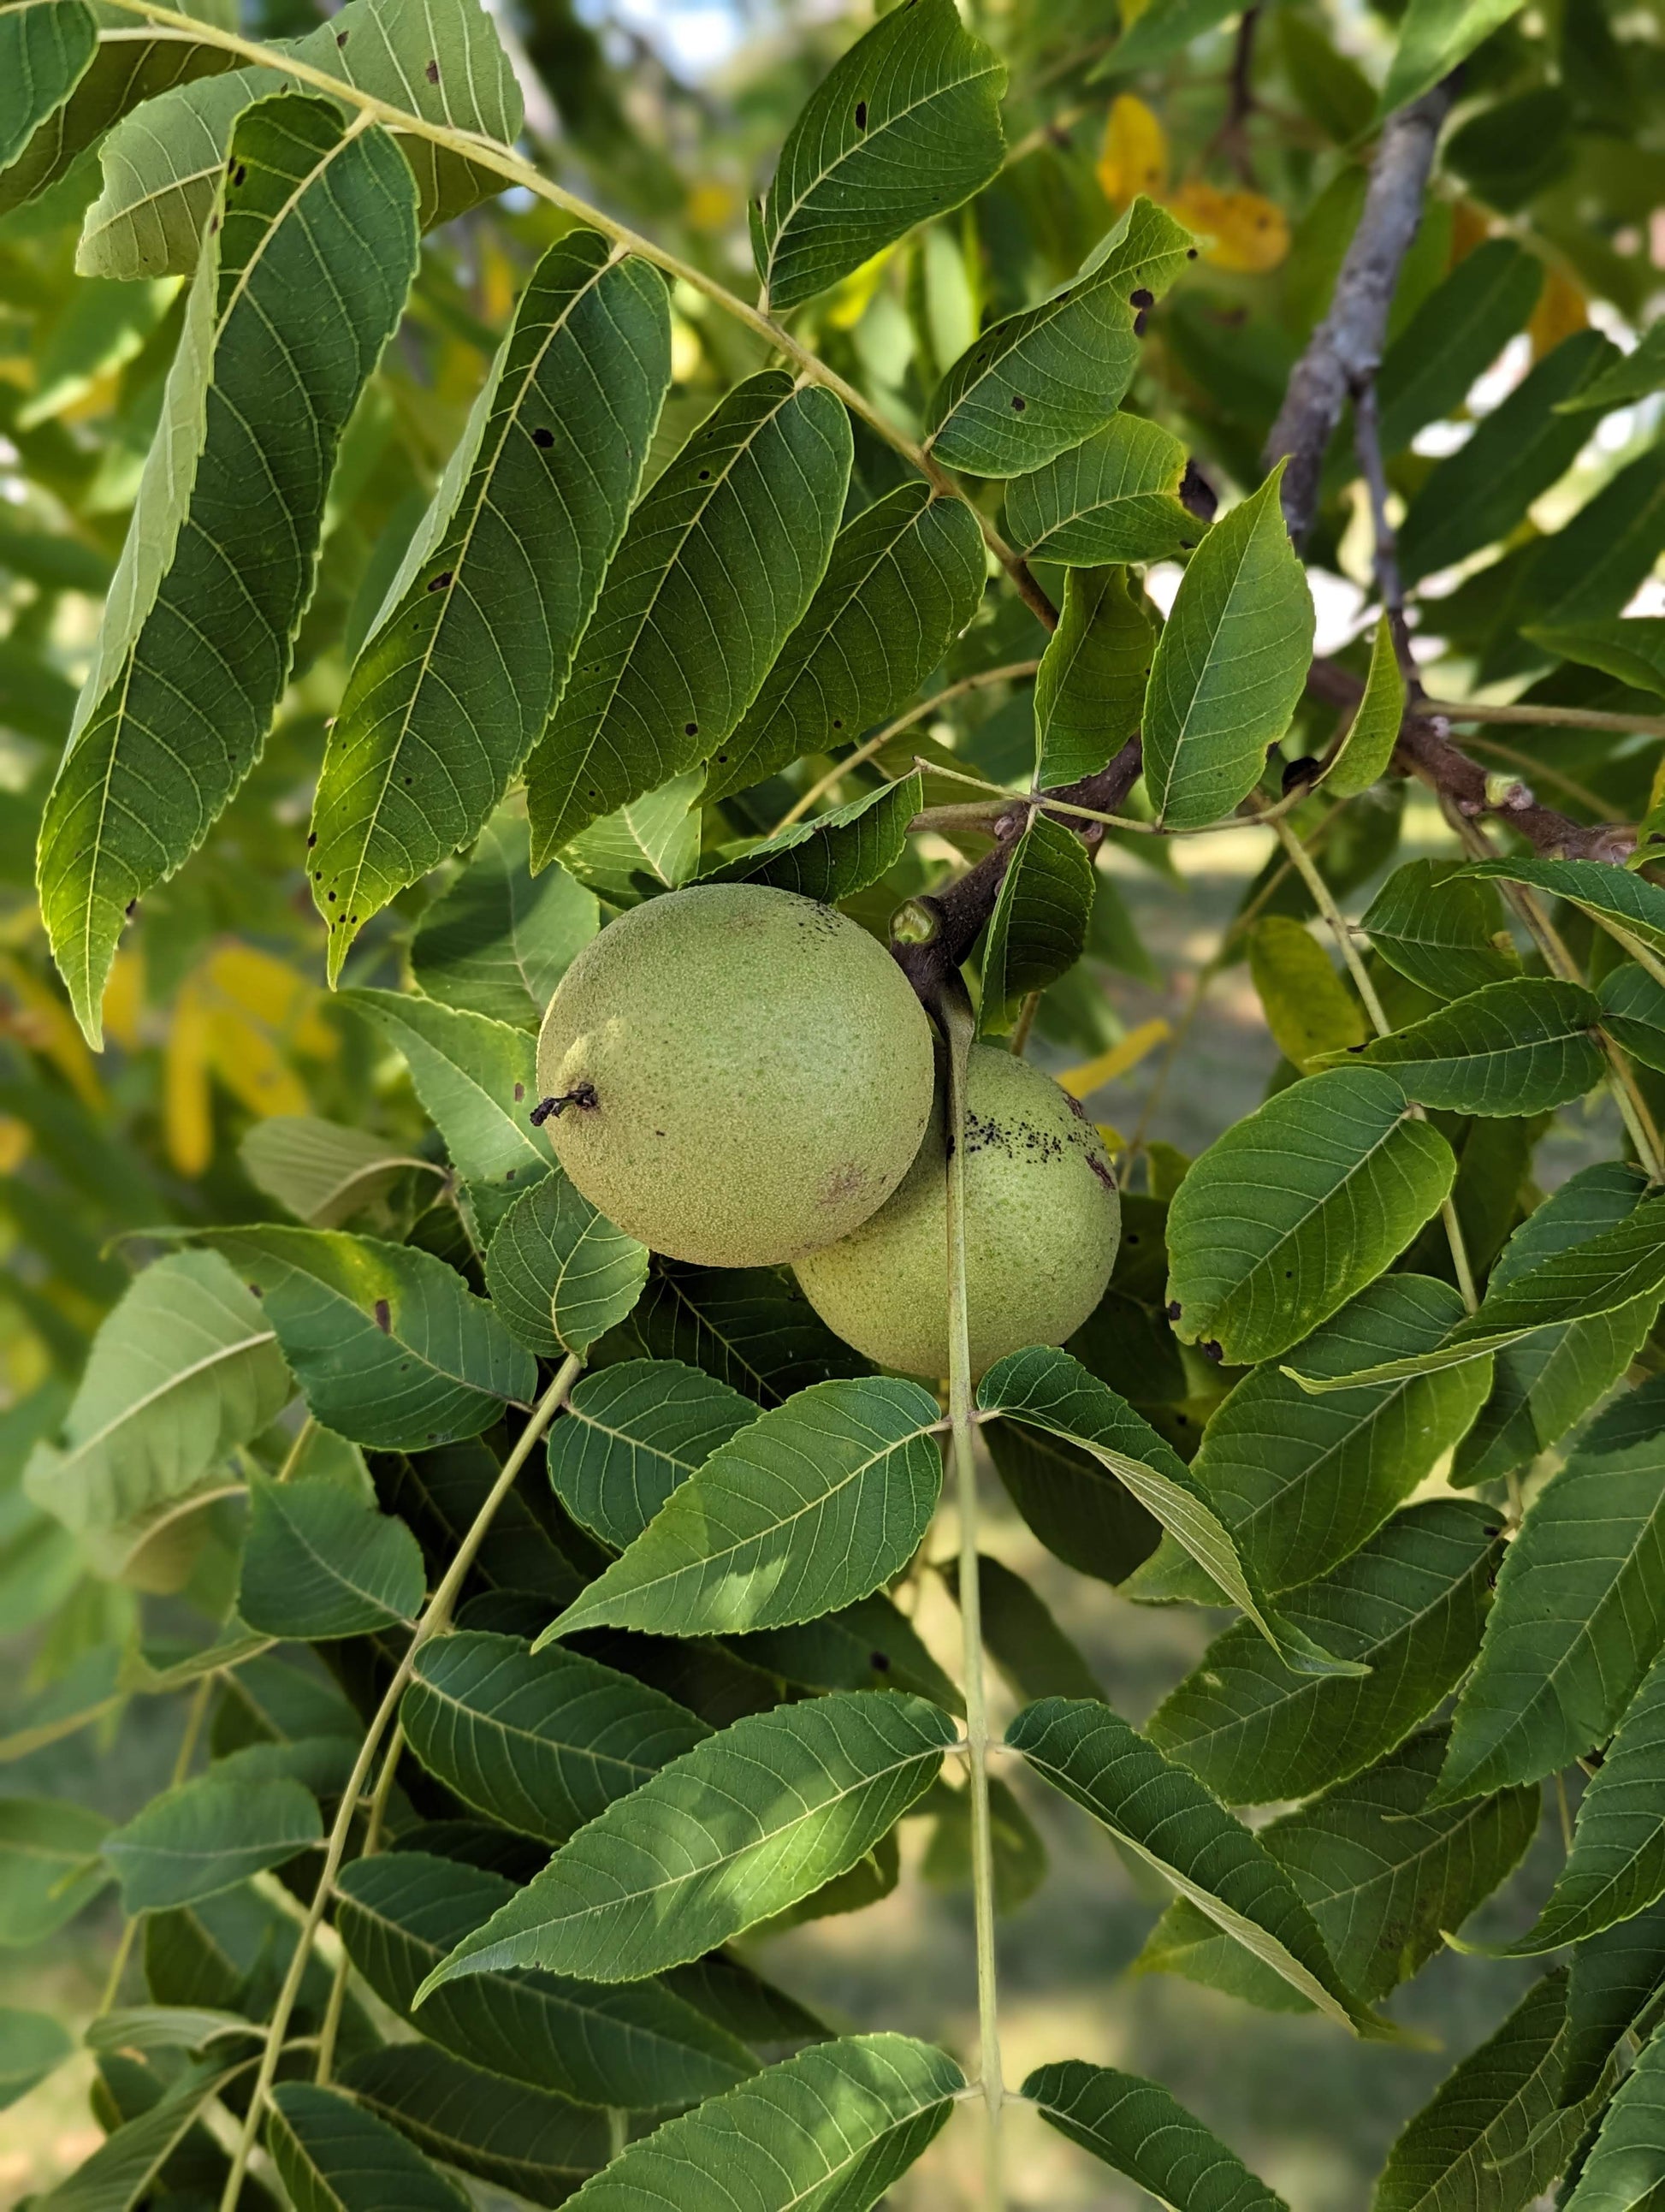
[(1346, 349)]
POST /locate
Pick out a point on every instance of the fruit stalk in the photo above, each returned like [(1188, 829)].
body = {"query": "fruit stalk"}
[(956, 1015)]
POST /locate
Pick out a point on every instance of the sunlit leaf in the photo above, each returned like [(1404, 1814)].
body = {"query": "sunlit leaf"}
[(732, 1833), (904, 126), (1368, 742)]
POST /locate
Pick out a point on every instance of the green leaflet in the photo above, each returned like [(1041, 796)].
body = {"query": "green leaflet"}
[(1297, 1207), (806, 1510), (32, 2047), (501, 938), (1517, 452), (1634, 907), (831, 856), (1021, 1637), (1637, 375), (1031, 387), (1384, 1878), (1580, 1614), (559, 1273), (641, 2048), (1367, 744), (1143, 2131), (1491, 2133), (905, 578), (1456, 334), (1616, 1868), (1089, 687), (336, 2157), (120, 2171), (1542, 1383), (1629, 647), (1633, 1013), (1158, 32), (731, 1833), (161, 171), (1519, 1046), (286, 319), (185, 1370), (120, 75), (209, 1835), (323, 1172), (540, 1741), (1434, 36), (318, 1564), (1612, 1987), (772, 2025), (1230, 665), (630, 1434), (1039, 925), (716, 568), (49, 1865), (1600, 1274), (1051, 1390), (44, 51), (478, 630), (868, 1645), (530, 2141), (1114, 497), (390, 1347), (1166, 1818), (1080, 1511), (1301, 1481), (477, 1080), (750, 1327), (1408, 1607), (1433, 923), (904, 126), (833, 2127), (650, 844), (1623, 2170)]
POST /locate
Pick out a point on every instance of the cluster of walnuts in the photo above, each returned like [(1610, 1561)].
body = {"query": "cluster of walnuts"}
[(741, 1077)]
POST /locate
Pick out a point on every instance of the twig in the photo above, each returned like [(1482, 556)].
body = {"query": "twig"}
[(432, 1620), (378, 1813), (1367, 444), (1012, 671), (1347, 347), (1546, 717)]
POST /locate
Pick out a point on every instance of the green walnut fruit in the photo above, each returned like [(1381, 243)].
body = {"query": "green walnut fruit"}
[(737, 1074), (1043, 1219)]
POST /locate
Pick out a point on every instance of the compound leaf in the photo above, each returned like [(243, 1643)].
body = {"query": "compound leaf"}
[(1516, 1048)]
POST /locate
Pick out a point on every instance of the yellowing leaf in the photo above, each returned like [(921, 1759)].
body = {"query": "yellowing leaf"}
[(246, 1060), (186, 1119), (848, 302), (15, 1142), (1243, 231), (1562, 309), (1309, 1009), (37, 1016), (1135, 155), (711, 205), (262, 986), (1093, 1074)]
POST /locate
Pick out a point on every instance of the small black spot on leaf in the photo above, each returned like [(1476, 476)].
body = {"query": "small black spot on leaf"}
[(1018, 402), (432, 72), (312, 840), (520, 1091), (1141, 298), (542, 437), (438, 583), (861, 115), (384, 1317)]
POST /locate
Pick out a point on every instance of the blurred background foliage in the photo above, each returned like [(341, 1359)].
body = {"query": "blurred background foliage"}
[(1255, 133)]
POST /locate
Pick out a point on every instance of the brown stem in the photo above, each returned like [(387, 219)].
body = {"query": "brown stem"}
[(1346, 349), (931, 936)]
